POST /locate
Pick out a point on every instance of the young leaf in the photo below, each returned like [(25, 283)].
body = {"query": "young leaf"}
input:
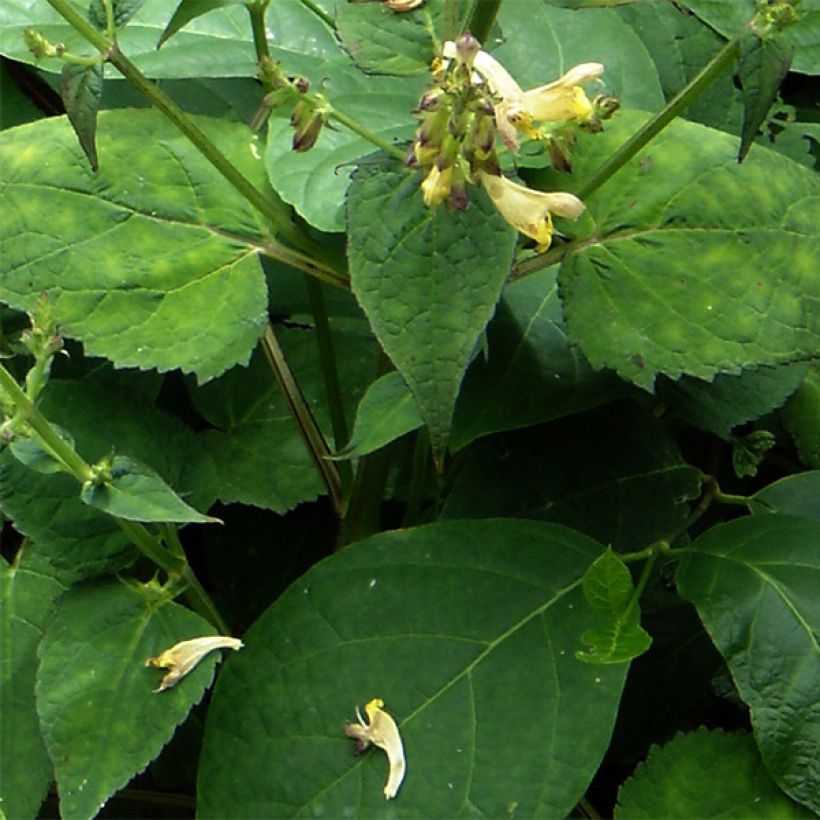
[(428, 280), (670, 782), (466, 630), (28, 588), (764, 62), (188, 10), (137, 493), (754, 582), (386, 412), (81, 90), (608, 585), (101, 720), (616, 642)]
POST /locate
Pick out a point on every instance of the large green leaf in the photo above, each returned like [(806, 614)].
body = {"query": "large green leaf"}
[(532, 373), (27, 590), (691, 264), (466, 630), (731, 400), (670, 782), (151, 262), (754, 582), (315, 181), (101, 720), (797, 494), (218, 44), (680, 46), (615, 473), (259, 453), (542, 42), (729, 16), (428, 280)]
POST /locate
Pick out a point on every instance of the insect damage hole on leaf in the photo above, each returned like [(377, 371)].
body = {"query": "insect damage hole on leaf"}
[(383, 732)]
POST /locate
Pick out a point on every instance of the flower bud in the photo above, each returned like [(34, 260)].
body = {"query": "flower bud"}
[(38, 45), (307, 123), (466, 49)]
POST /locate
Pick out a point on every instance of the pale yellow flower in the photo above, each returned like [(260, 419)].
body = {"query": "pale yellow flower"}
[(181, 658), (383, 732), (563, 99), (436, 185), (528, 211)]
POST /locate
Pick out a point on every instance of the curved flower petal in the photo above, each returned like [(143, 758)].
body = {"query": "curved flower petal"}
[(383, 732), (563, 99), (182, 657), (529, 211)]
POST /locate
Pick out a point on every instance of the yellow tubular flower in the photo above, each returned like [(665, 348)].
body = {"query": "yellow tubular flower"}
[(436, 186), (528, 211), (181, 658), (562, 100), (383, 732)]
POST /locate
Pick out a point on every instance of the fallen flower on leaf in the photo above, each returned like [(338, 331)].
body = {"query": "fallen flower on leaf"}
[(530, 211), (383, 732), (181, 658)]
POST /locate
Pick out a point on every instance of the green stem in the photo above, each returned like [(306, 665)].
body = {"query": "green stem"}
[(728, 498), (274, 210), (46, 434), (641, 585), (82, 471), (260, 35), (319, 12), (650, 129), (482, 18), (366, 133), (330, 374), (311, 434), (420, 471)]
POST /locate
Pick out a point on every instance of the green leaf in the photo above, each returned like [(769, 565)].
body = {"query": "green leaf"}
[(466, 631), (802, 417), (542, 42), (315, 181), (188, 10), (81, 90), (137, 493), (797, 494), (260, 455), (101, 721), (731, 400), (749, 451), (218, 44), (123, 10), (693, 277), (48, 510), (533, 373), (17, 107), (764, 63), (386, 412), (30, 453), (428, 280), (27, 590), (754, 582), (616, 642), (614, 473), (382, 41), (151, 262), (670, 782), (608, 585), (680, 46), (730, 16)]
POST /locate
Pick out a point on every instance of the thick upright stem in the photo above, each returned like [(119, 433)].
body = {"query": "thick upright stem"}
[(482, 18)]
